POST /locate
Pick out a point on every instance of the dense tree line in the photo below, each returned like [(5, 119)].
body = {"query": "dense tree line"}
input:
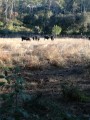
[(41, 16)]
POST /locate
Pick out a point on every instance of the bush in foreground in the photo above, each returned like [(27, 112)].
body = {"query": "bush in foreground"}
[(72, 93)]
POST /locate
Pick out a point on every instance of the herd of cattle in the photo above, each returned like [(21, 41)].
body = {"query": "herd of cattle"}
[(37, 37)]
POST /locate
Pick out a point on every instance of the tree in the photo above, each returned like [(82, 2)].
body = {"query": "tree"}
[(56, 30)]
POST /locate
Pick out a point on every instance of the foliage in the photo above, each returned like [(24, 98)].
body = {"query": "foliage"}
[(1, 24), (56, 30), (71, 92), (11, 107), (9, 26), (70, 15)]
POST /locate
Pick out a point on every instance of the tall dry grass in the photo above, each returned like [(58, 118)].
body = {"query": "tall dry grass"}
[(35, 54)]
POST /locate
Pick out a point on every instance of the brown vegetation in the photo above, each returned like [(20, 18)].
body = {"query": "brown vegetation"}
[(60, 52)]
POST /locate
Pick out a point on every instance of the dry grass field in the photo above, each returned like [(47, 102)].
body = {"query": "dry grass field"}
[(48, 62), (45, 60), (60, 52)]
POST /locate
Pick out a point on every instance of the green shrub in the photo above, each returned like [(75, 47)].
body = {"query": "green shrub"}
[(71, 92), (56, 30), (1, 24), (11, 107)]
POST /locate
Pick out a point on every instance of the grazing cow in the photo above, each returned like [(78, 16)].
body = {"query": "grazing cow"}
[(36, 38), (25, 38), (33, 37), (46, 37), (52, 37)]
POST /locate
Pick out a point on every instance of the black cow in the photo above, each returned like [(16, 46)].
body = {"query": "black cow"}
[(36, 38), (46, 37), (25, 38), (52, 37), (33, 37)]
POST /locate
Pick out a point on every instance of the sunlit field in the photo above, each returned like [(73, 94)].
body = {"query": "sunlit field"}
[(64, 52)]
